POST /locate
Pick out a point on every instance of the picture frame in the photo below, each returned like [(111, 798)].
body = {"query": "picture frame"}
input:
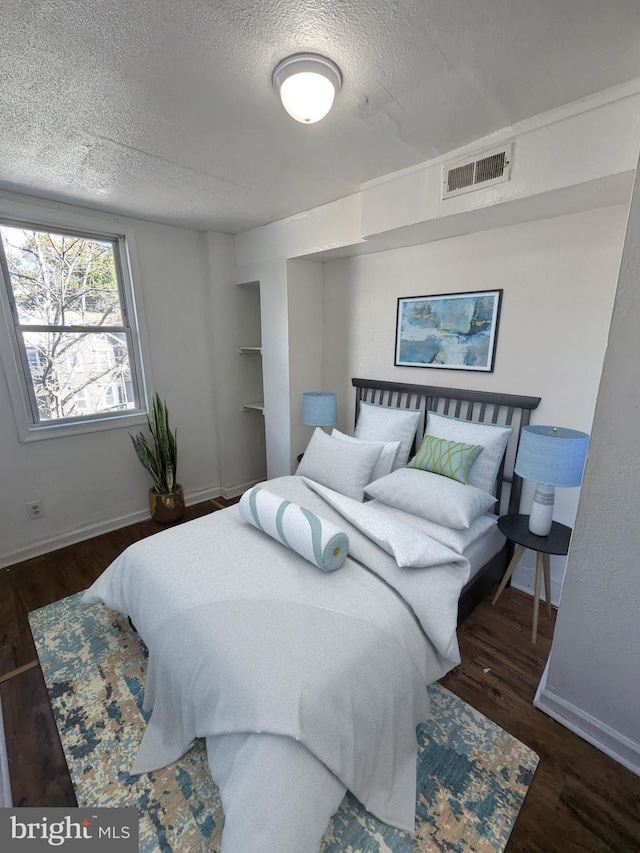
[(451, 331)]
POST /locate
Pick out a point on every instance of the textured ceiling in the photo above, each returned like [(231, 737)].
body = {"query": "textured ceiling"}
[(163, 109)]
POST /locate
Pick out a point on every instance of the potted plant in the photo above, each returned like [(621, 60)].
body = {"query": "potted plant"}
[(166, 496)]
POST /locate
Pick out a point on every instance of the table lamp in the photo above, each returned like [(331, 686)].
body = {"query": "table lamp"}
[(319, 408), (549, 456)]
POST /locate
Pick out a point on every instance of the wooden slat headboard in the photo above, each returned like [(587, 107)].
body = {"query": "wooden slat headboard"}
[(481, 406)]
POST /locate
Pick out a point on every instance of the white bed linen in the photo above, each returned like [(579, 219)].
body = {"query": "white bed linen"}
[(478, 543), (453, 538), (277, 797), (223, 609), (261, 776), (483, 549)]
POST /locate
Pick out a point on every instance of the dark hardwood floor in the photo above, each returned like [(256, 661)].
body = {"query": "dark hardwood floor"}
[(580, 799)]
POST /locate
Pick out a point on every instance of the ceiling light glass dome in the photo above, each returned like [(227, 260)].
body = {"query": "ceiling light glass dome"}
[(307, 84)]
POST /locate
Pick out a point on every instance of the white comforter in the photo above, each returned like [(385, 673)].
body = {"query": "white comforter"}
[(300, 680)]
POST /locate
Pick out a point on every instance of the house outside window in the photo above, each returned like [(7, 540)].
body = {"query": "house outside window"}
[(68, 302), (81, 401)]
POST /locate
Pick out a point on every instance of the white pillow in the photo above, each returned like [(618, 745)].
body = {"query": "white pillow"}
[(340, 465), (386, 423), (388, 452), (457, 540), (432, 496), (492, 437)]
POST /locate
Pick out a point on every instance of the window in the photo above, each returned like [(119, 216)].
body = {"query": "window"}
[(81, 401), (70, 304)]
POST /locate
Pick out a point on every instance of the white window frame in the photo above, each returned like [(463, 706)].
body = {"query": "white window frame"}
[(19, 214)]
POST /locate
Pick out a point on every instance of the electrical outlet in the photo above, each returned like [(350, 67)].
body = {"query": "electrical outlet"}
[(35, 510)]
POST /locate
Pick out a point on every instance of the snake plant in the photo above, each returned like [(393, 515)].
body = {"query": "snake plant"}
[(161, 459)]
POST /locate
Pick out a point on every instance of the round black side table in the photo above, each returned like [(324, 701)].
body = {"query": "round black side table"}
[(516, 528)]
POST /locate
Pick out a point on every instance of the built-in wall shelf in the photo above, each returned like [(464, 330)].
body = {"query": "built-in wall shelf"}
[(250, 388), (245, 383)]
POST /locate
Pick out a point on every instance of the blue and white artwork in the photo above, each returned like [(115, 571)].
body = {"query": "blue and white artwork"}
[(454, 330)]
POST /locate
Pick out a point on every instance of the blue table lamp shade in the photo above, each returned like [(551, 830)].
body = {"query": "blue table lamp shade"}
[(319, 408), (550, 457)]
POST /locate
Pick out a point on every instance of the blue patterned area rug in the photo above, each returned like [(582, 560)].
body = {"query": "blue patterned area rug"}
[(472, 775)]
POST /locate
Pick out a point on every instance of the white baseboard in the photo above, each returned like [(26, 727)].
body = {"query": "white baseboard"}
[(196, 496), (595, 732), (234, 491), (5, 782), (88, 531)]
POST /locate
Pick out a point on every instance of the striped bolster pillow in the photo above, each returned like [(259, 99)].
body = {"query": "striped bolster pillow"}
[(316, 539)]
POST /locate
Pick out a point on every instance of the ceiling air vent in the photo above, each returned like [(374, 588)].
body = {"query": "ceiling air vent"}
[(493, 167)]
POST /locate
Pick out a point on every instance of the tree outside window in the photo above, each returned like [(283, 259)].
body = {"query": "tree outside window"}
[(68, 307)]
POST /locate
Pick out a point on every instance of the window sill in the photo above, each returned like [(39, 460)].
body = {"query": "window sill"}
[(53, 430)]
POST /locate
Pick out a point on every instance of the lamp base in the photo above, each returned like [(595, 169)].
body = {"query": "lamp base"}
[(542, 510)]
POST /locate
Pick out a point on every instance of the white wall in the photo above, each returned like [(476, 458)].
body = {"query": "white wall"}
[(560, 158), (305, 330), (235, 379), (578, 158), (275, 366), (592, 683), (92, 482), (315, 230), (559, 279)]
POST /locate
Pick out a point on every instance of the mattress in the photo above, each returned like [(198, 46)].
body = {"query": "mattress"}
[(483, 549)]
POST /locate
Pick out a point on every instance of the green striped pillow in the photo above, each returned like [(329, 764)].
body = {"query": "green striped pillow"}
[(450, 458)]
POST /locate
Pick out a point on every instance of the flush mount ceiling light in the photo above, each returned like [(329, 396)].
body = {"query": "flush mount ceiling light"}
[(307, 84)]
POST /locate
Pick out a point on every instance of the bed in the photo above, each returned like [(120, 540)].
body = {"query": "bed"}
[(279, 665), (481, 406)]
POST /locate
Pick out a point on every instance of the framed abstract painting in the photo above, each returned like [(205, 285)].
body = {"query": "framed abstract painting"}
[(457, 331)]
